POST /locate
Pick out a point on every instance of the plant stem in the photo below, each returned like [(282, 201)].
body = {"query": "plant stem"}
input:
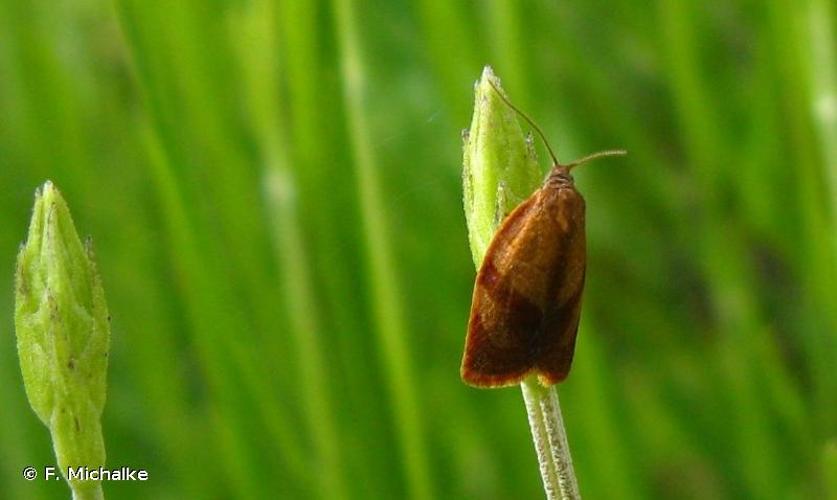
[(87, 493), (550, 439)]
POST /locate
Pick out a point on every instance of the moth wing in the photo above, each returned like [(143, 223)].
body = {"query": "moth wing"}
[(560, 321), (498, 348), (553, 364)]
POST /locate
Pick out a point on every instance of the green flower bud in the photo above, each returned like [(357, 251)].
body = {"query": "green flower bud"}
[(63, 335), (500, 166)]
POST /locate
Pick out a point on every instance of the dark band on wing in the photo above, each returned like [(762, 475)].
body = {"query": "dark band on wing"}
[(560, 330), (503, 354)]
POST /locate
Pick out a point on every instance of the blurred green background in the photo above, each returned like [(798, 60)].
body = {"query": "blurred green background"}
[(274, 192)]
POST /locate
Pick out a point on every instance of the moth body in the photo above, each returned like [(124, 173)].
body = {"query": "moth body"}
[(527, 296)]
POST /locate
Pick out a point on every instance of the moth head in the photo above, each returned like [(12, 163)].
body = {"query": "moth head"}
[(559, 177)]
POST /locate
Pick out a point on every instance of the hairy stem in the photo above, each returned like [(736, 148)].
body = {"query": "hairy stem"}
[(88, 493), (550, 440)]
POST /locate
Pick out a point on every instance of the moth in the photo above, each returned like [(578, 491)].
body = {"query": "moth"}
[(527, 295)]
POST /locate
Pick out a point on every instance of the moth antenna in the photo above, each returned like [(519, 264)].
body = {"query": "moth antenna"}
[(528, 120), (600, 154)]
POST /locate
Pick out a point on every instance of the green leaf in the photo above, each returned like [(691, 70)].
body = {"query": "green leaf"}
[(500, 166), (63, 333)]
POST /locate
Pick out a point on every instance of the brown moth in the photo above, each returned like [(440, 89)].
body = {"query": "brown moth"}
[(527, 296)]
